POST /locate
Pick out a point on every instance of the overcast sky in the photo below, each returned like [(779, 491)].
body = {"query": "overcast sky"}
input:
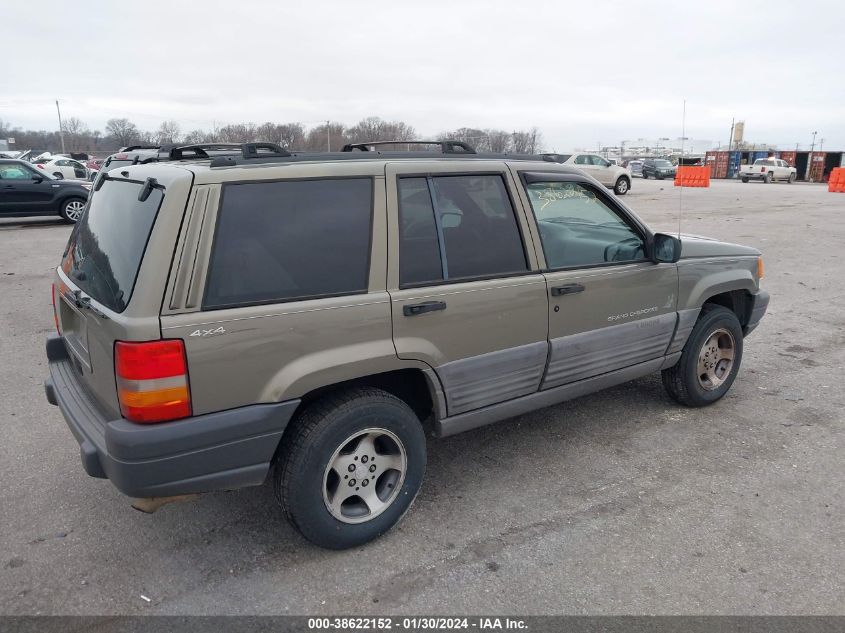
[(584, 71)]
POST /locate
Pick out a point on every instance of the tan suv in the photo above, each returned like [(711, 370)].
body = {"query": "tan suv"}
[(306, 316)]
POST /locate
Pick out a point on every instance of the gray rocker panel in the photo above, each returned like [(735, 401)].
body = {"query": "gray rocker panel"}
[(479, 381), (587, 354)]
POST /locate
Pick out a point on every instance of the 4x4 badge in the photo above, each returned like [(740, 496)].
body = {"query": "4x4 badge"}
[(219, 330)]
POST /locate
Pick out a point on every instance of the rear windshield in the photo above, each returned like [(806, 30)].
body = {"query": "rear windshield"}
[(764, 161), (107, 244)]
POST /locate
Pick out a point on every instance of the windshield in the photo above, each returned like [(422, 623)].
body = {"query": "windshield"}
[(107, 244), (662, 164)]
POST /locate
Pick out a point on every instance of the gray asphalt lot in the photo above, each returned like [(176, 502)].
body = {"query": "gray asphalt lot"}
[(616, 503)]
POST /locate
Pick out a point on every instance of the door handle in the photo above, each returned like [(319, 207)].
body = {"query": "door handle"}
[(420, 308), (568, 289)]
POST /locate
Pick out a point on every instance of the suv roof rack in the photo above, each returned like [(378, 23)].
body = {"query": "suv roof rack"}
[(250, 151), (446, 146), (132, 148), (200, 150)]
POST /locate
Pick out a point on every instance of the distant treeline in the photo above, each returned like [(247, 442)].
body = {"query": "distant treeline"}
[(331, 135)]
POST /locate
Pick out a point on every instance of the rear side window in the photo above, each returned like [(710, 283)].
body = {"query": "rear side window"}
[(290, 240), (457, 227), (107, 244)]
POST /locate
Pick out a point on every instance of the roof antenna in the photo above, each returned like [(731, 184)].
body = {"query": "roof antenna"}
[(680, 164)]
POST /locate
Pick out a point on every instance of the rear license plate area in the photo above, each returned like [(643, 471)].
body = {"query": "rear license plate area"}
[(75, 333)]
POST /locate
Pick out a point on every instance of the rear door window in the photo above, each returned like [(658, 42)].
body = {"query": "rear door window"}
[(107, 244), (290, 240), (457, 227)]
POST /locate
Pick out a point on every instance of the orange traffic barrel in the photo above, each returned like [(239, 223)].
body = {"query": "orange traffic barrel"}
[(837, 180)]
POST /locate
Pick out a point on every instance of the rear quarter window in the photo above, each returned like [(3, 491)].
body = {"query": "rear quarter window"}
[(108, 243), (290, 240)]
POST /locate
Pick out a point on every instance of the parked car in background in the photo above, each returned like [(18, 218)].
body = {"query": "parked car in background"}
[(768, 170), (608, 174), (636, 168), (62, 167), (26, 190), (659, 168)]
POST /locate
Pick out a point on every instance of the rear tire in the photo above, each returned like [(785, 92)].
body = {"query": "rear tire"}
[(320, 460), (71, 209), (704, 374), (645, 176), (744, 179), (622, 186), (768, 178)]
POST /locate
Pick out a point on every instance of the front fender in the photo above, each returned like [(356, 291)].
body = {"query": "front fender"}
[(702, 278)]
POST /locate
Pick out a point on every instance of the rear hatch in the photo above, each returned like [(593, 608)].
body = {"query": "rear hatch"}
[(111, 280)]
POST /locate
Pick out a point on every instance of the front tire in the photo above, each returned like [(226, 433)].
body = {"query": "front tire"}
[(71, 209), (791, 178), (710, 360), (622, 186), (350, 467)]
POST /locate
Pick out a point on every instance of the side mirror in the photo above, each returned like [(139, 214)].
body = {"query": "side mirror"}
[(665, 249), (37, 179)]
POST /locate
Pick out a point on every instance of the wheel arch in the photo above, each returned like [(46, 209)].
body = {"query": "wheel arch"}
[(418, 387), (737, 301)]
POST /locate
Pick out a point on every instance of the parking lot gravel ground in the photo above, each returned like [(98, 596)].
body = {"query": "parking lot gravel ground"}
[(617, 503)]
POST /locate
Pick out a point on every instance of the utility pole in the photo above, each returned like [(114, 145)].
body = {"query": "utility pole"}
[(809, 174), (61, 127), (731, 141), (328, 136)]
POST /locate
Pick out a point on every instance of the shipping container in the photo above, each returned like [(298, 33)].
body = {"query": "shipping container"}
[(710, 161), (817, 167), (722, 160), (734, 162), (789, 157)]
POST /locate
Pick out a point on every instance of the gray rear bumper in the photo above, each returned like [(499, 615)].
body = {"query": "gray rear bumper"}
[(216, 451)]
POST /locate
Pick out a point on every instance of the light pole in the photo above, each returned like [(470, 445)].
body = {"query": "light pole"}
[(809, 174), (61, 127)]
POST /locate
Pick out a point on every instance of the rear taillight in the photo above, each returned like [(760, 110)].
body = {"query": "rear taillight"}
[(55, 314), (152, 380), (40, 166)]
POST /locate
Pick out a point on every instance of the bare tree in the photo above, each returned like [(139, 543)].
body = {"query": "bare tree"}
[(77, 134), (527, 141), (237, 133), (326, 137), (168, 132), (195, 137), (291, 135), (123, 131), (498, 141), (471, 136)]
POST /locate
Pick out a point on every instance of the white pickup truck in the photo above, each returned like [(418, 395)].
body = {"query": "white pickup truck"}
[(768, 170)]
